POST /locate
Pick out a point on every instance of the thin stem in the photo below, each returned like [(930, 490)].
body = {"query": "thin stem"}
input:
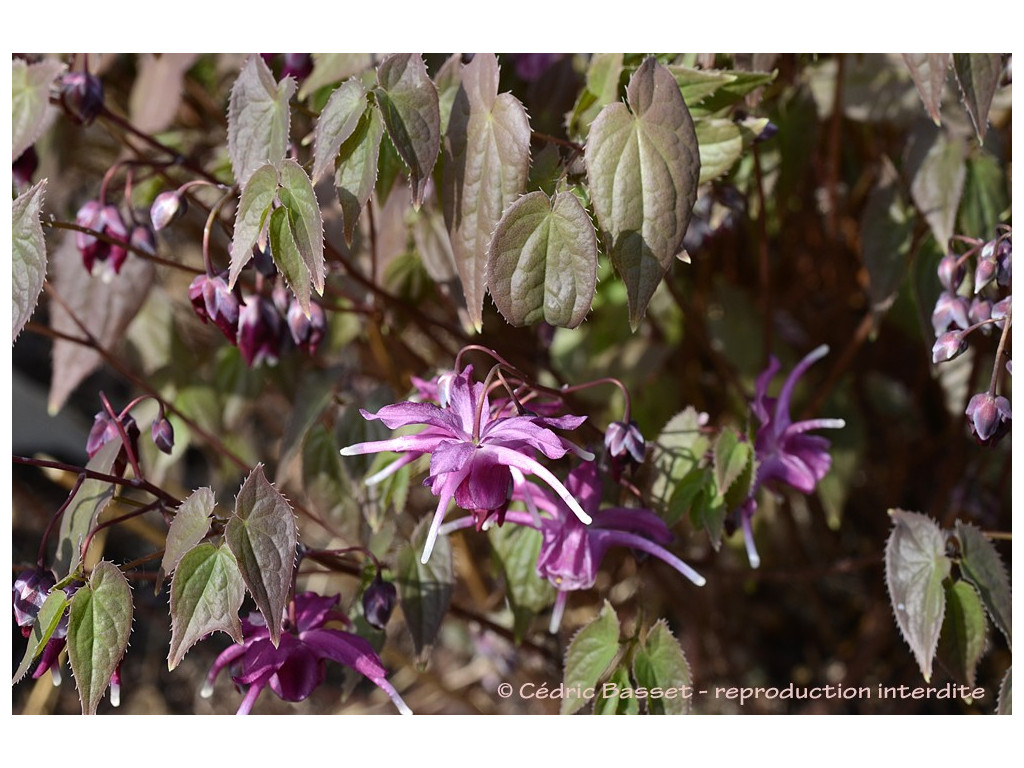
[(538, 136), (91, 474), (626, 411), (209, 228), (41, 558), (120, 243), (997, 365), (478, 415), (128, 516), (123, 434), (998, 535)]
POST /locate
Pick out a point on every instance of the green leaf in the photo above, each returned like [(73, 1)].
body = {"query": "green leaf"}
[(619, 699), (678, 450), (886, 232), (928, 71), (660, 663), (206, 593), (487, 162), (722, 143), (331, 68), (297, 196), (707, 91), (46, 622), (981, 565), (84, 510), (643, 165), (602, 88), (915, 566), (516, 549), (258, 194), (986, 197), (336, 123), (937, 167), (30, 94), (98, 628), (590, 655), (190, 525), (732, 456), (962, 641), (978, 75), (409, 105), (287, 257), (425, 589), (29, 254), (356, 170), (708, 510), (542, 261), (258, 119), (261, 535), (1005, 700)]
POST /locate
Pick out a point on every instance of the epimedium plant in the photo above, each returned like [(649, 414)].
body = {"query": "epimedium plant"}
[(346, 191)]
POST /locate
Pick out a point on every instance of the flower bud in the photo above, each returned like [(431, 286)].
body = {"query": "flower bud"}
[(104, 430), (624, 441), (163, 434), (168, 208), (986, 268), (1004, 257), (951, 274), (30, 591), (24, 168), (948, 346), (307, 332), (1000, 309), (297, 65), (142, 239), (950, 308), (106, 220), (263, 259), (989, 417), (81, 95), (379, 601), (213, 301), (259, 331)]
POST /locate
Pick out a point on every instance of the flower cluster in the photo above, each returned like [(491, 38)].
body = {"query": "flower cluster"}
[(980, 304), (483, 449), (784, 453), (297, 665)]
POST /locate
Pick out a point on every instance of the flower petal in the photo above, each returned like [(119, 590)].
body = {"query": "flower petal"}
[(531, 466), (355, 652), (624, 539)]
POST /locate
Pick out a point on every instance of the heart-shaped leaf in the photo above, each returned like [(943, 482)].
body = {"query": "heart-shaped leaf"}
[(915, 566), (261, 535), (258, 119), (542, 261), (978, 75), (190, 525), (206, 593), (31, 111), (981, 565), (337, 121), (258, 195), (29, 254), (356, 169), (425, 589), (589, 656), (99, 625), (409, 106), (487, 162), (660, 663), (643, 165), (929, 72)]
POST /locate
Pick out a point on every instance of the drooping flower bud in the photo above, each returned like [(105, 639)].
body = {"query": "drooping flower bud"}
[(986, 269), (981, 310), (163, 434), (168, 208), (950, 273), (297, 65), (30, 591), (989, 416), (307, 332), (214, 302), (1004, 257), (948, 346), (1000, 310), (106, 220), (624, 442), (950, 308), (104, 430), (81, 95), (259, 331), (379, 601)]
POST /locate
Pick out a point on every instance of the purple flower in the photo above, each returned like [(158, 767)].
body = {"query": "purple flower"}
[(990, 417), (81, 95), (296, 666), (951, 272), (379, 601), (473, 450), (167, 208), (624, 442), (948, 346), (106, 220), (163, 434), (950, 308), (307, 332), (30, 591), (784, 452), (212, 300), (259, 331), (571, 552), (104, 429)]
